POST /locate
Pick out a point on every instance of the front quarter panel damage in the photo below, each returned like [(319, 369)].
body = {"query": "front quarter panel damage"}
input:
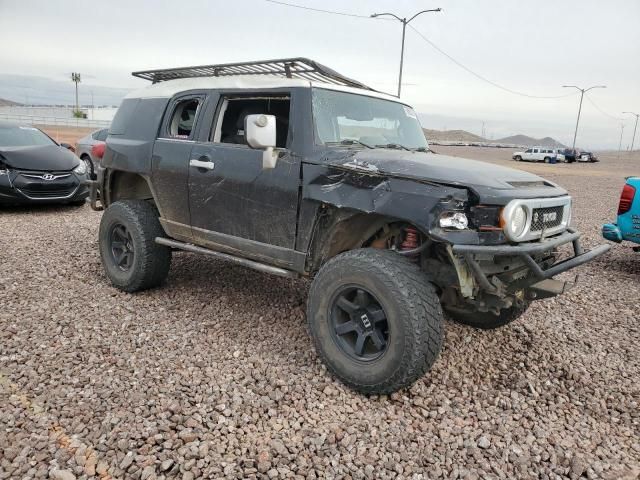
[(361, 189)]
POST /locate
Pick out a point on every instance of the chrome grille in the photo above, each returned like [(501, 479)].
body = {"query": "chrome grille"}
[(545, 218)]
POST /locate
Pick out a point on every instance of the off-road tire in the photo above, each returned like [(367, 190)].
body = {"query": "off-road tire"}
[(151, 261), (414, 316), (518, 158), (488, 320)]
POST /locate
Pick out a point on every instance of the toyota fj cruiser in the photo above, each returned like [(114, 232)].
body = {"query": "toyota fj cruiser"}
[(290, 168)]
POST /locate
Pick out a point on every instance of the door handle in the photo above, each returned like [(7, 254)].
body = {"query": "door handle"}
[(201, 164)]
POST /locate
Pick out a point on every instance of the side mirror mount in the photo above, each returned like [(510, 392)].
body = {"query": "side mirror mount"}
[(260, 132)]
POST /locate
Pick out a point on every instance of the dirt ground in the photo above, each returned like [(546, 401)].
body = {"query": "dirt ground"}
[(213, 375), (66, 134)]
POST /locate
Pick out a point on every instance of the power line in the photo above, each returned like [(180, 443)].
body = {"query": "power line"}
[(433, 45), (344, 14), (477, 75), (602, 111)]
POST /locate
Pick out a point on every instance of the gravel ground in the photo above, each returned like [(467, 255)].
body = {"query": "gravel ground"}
[(214, 375)]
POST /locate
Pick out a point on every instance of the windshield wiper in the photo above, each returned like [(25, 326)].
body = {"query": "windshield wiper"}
[(348, 141), (393, 145), (423, 149)]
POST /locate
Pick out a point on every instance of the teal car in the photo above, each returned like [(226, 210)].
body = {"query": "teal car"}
[(628, 224)]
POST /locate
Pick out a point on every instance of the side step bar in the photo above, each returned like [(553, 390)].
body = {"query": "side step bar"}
[(261, 267)]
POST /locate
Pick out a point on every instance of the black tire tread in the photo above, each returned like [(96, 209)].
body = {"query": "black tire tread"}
[(424, 338), (153, 261)]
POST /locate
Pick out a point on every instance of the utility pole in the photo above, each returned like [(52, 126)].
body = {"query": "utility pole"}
[(75, 78), (582, 92), (404, 22), (620, 144), (634, 128)]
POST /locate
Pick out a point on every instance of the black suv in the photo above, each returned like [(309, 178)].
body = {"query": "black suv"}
[(290, 168)]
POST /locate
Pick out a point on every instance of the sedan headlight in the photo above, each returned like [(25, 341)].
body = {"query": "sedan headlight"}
[(81, 169)]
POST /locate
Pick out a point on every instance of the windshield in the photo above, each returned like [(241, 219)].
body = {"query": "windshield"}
[(365, 121), (13, 136)]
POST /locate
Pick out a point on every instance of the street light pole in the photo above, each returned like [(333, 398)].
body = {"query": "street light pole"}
[(620, 144), (404, 22), (75, 78), (634, 129), (582, 92)]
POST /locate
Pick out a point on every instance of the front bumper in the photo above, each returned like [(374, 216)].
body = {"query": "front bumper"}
[(27, 187), (526, 252)]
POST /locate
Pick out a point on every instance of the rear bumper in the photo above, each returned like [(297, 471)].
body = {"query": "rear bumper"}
[(526, 253), (611, 232)]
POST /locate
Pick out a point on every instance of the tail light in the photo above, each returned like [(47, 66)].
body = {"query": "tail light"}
[(98, 150), (626, 199)]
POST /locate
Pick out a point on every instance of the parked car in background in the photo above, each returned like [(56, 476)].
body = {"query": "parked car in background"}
[(36, 169), (535, 154), (587, 157), (569, 154), (628, 225), (85, 144)]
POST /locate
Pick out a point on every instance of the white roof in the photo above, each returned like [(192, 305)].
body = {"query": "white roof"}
[(169, 88)]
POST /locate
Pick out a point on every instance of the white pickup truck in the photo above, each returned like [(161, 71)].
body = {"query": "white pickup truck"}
[(538, 154)]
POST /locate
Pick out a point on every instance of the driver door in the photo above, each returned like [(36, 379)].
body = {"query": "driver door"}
[(236, 205)]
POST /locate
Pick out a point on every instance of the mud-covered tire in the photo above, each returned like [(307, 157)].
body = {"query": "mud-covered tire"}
[(150, 262), (488, 320), (413, 315)]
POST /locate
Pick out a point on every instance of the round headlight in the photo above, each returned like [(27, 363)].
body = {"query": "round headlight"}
[(518, 221)]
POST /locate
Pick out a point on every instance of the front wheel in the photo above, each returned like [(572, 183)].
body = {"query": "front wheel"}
[(488, 320), (517, 158), (375, 320), (131, 258)]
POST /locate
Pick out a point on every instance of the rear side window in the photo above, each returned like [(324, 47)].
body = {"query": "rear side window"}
[(101, 135), (182, 120)]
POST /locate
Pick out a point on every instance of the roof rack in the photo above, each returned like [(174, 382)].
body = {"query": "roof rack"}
[(302, 68)]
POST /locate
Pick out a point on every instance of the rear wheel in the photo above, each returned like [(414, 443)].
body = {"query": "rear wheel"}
[(375, 320), (131, 258), (488, 320), (547, 159)]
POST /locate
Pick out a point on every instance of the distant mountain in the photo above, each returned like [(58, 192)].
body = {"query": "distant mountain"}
[(452, 136), (468, 137), (530, 142), (34, 90), (8, 103)]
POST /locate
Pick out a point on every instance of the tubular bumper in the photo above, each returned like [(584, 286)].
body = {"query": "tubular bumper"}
[(525, 251)]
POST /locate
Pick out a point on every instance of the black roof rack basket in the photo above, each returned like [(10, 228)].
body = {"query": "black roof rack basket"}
[(302, 68)]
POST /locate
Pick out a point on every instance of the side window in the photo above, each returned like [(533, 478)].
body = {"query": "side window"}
[(102, 134), (229, 123), (528, 151), (536, 150), (182, 119)]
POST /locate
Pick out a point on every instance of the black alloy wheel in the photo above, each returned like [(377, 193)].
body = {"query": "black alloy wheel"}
[(359, 323), (121, 247)]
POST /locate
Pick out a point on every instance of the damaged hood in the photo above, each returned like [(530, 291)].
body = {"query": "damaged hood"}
[(493, 183), (45, 157)]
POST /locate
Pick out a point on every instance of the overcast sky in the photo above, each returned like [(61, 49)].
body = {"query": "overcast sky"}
[(531, 46)]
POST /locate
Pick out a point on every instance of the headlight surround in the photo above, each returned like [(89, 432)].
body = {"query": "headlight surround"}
[(515, 218), (81, 169)]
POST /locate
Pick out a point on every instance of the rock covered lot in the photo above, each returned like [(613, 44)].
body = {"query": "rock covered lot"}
[(213, 375)]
